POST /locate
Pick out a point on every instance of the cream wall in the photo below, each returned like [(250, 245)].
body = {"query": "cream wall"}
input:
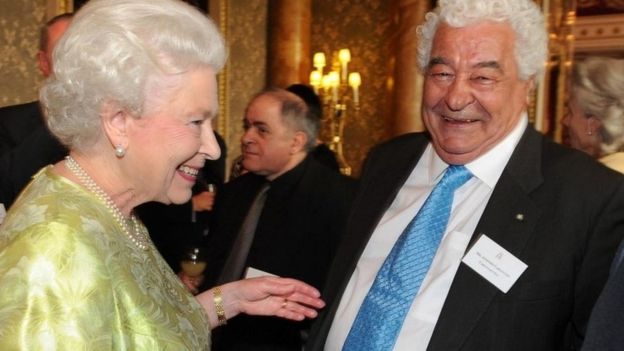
[(20, 21)]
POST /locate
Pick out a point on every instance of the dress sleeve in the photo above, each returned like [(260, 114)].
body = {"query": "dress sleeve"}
[(55, 292)]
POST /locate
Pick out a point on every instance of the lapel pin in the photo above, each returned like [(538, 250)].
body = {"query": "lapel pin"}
[(520, 217)]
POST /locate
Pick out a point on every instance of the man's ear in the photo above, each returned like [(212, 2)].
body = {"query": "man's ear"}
[(43, 63), (300, 139), (530, 88), (115, 123)]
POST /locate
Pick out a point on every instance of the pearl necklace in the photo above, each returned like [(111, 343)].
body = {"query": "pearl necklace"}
[(137, 237)]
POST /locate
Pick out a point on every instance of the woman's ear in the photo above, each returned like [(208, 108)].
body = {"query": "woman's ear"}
[(115, 123), (593, 125)]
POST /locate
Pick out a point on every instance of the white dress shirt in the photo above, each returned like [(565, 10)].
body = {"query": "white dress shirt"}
[(469, 202)]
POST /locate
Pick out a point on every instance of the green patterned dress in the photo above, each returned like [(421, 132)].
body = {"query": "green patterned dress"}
[(70, 279)]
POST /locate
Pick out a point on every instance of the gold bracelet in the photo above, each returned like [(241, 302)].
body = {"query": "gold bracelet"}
[(218, 303)]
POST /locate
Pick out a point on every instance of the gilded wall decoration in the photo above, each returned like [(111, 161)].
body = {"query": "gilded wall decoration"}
[(19, 34), (599, 7), (363, 27)]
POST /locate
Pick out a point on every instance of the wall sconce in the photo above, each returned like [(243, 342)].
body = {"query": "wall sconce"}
[(339, 91)]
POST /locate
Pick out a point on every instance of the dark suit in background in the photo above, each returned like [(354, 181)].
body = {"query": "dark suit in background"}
[(297, 235), (605, 331), (17, 122), (26, 145), (573, 219), (30, 146)]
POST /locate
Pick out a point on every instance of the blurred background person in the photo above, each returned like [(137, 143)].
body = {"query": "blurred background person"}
[(26, 144), (284, 217), (595, 110), (321, 152), (18, 121), (78, 269)]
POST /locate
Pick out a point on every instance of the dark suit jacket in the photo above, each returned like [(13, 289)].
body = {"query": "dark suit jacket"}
[(17, 166), (605, 331), (296, 236), (17, 122), (573, 220)]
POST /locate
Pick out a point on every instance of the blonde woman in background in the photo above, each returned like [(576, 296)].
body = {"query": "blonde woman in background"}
[(595, 111)]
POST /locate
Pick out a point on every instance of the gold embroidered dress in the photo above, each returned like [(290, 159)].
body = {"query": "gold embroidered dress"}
[(70, 279)]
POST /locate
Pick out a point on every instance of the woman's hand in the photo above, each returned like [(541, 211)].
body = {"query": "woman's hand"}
[(264, 296)]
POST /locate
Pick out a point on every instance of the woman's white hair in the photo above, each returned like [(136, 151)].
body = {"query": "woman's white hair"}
[(110, 52), (524, 16), (598, 86)]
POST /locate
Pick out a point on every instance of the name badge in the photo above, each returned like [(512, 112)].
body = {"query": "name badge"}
[(254, 272), (494, 263)]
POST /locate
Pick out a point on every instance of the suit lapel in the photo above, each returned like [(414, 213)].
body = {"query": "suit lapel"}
[(509, 219), (384, 174)]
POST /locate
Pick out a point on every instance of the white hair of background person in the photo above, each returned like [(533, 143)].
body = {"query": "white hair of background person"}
[(524, 16), (598, 86), (123, 52)]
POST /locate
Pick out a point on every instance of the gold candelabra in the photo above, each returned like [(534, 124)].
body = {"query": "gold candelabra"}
[(339, 92)]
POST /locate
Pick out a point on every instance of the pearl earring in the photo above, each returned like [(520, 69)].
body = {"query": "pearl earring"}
[(120, 151)]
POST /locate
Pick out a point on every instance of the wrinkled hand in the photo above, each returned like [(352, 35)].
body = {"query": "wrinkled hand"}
[(203, 201), (266, 296)]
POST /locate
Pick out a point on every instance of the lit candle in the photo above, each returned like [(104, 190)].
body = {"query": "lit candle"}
[(334, 81), (344, 56), (325, 82), (319, 61), (354, 82), (315, 80)]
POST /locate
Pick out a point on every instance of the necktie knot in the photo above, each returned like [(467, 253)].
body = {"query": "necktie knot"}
[(454, 177)]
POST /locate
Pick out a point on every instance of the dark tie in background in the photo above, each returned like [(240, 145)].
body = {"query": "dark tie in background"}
[(235, 263), (380, 318)]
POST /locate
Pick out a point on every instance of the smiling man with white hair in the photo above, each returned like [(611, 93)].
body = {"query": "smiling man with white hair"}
[(479, 234)]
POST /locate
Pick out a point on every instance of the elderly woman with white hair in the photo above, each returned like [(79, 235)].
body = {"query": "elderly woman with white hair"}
[(595, 110), (132, 97)]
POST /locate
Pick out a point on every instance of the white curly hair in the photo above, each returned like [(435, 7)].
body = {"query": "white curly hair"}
[(524, 16), (115, 51), (598, 86)]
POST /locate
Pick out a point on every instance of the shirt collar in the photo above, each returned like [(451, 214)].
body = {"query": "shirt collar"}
[(487, 167)]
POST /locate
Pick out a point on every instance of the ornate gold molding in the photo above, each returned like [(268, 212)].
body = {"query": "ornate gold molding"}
[(57, 7), (599, 33), (219, 11), (551, 93)]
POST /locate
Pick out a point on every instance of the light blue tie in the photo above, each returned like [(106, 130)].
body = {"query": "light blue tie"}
[(383, 311)]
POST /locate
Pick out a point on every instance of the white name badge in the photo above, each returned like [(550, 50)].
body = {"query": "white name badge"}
[(494, 263), (253, 273)]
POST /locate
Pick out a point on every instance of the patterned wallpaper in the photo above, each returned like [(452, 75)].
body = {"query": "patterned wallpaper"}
[(246, 70), (20, 21), (364, 28)]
